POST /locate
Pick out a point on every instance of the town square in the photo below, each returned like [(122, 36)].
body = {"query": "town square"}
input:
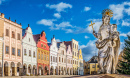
[(64, 39)]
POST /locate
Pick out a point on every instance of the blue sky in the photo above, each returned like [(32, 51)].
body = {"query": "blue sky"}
[(67, 19)]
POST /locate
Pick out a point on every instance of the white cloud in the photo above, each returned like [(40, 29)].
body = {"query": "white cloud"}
[(63, 25), (119, 9), (87, 8), (68, 30), (58, 40), (57, 15), (59, 7), (86, 37), (1, 1), (125, 34), (125, 23), (98, 23), (46, 22), (89, 49)]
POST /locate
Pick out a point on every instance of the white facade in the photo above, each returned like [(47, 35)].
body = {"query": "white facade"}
[(29, 52), (53, 57)]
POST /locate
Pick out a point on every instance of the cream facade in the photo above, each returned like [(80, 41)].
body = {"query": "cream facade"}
[(61, 58), (75, 56), (29, 52), (12, 59), (69, 66)]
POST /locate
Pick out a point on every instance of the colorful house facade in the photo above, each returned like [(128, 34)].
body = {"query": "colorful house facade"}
[(75, 56), (1, 39), (53, 57), (29, 52), (43, 59), (69, 67), (12, 58), (80, 66), (61, 58)]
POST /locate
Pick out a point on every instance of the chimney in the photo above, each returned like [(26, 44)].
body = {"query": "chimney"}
[(2, 15), (28, 25), (15, 21), (20, 23), (9, 18), (53, 36)]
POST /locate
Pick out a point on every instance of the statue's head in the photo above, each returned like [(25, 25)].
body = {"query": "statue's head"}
[(106, 15)]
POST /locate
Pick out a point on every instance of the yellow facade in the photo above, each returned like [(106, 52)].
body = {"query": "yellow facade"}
[(75, 56), (80, 58), (92, 68)]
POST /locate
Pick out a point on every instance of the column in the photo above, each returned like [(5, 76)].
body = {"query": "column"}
[(15, 70), (9, 70)]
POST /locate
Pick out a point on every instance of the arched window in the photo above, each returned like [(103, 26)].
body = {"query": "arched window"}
[(34, 54), (7, 32)]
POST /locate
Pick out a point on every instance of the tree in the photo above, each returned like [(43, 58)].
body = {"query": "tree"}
[(124, 66)]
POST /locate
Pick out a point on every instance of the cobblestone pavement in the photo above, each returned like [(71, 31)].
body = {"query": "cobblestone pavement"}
[(74, 76)]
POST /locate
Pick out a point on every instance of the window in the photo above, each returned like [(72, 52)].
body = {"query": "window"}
[(18, 36), (73, 61), (39, 55), (34, 54), (13, 34), (56, 59), (41, 45), (25, 52), (51, 58), (44, 46), (7, 49), (13, 51), (62, 60), (97, 66), (75, 54), (47, 58), (29, 39), (93, 66), (59, 59), (75, 46), (44, 57), (19, 52), (85, 67), (29, 52), (7, 32)]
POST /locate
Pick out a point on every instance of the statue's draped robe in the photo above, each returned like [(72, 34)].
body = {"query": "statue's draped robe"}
[(107, 59)]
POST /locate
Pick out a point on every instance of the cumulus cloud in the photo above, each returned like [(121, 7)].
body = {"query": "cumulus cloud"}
[(89, 50), (125, 23), (59, 7), (58, 40), (63, 25), (87, 8), (119, 9), (57, 15), (125, 34), (46, 22), (86, 37), (98, 23)]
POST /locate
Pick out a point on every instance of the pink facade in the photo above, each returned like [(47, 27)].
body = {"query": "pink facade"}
[(12, 48)]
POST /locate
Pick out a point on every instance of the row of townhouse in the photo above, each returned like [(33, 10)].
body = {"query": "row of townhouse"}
[(22, 53)]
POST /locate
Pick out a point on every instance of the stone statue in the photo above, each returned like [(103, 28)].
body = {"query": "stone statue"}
[(108, 44)]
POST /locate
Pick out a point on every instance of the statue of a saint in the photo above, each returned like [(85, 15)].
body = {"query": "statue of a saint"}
[(108, 44)]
